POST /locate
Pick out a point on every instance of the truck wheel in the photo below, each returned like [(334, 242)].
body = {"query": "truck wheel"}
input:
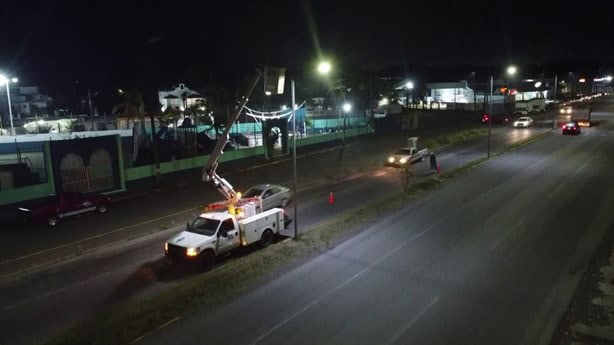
[(52, 221), (266, 239), (206, 260), (102, 209), (283, 203)]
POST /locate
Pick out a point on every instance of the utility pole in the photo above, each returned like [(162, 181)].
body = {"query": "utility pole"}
[(554, 112), (89, 98), (490, 114)]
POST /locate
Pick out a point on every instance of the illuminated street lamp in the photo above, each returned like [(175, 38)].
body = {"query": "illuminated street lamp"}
[(6, 81), (323, 68), (511, 71), (409, 86), (346, 107)]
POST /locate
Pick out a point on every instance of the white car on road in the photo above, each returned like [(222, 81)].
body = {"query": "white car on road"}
[(272, 195), (523, 121)]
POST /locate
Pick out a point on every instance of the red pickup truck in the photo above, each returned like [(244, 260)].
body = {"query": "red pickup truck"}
[(68, 204)]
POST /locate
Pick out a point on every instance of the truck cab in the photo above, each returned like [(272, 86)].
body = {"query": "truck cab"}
[(216, 231)]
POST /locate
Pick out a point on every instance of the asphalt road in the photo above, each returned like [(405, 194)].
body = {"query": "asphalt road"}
[(493, 257), (56, 297)]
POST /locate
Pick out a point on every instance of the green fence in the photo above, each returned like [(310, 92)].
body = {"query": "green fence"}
[(16, 195)]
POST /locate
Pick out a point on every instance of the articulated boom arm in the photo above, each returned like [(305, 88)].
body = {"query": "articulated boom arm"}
[(209, 173)]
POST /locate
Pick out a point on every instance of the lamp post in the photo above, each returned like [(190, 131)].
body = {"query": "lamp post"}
[(323, 68), (5, 80), (347, 107), (554, 112), (511, 71), (409, 86), (490, 114), (294, 180)]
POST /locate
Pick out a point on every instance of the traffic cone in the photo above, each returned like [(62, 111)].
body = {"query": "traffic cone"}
[(438, 168), (331, 198)]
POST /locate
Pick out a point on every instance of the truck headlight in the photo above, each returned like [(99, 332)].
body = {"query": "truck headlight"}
[(390, 159), (403, 160), (192, 251)]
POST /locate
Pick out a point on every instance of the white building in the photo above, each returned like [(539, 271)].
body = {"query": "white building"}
[(25, 101), (451, 93), (180, 97)]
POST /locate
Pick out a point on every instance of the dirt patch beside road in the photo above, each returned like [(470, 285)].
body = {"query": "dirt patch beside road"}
[(590, 317)]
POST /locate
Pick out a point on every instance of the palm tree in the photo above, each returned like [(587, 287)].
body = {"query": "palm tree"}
[(131, 106)]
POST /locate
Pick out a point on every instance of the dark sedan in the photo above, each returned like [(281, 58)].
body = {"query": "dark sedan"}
[(68, 204), (571, 128)]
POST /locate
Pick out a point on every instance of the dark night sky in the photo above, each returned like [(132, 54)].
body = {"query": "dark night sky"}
[(123, 43)]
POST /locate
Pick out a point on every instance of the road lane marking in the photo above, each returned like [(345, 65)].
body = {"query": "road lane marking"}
[(341, 285), (413, 321), (582, 167), (509, 231)]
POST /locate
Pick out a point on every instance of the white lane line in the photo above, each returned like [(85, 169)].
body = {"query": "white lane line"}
[(509, 231), (582, 167), (336, 288), (413, 321)]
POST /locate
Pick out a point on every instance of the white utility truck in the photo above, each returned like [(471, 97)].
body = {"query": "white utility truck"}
[(215, 233), (218, 231), (407, 155)]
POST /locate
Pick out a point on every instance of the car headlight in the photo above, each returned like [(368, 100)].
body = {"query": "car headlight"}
[(193, 251), (403, 160), (390, 159)]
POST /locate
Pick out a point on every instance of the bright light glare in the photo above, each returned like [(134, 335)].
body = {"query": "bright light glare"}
[(347, 107), (324, 67), (409, 85), (5, 80), (608, 78), (538, 84), (512, 70), (268, 93)]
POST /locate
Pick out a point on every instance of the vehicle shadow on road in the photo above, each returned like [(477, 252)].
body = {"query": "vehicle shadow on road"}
[(164, 270), (147, 275)]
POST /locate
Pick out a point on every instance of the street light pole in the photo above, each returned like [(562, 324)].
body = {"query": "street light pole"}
[(89, 98), (294, 160), (490, 114), (8, 96), (554, 112), (4, 79)]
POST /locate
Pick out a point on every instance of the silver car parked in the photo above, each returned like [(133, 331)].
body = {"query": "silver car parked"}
[(272, 195)]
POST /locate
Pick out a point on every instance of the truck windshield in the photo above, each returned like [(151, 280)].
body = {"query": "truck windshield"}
[(204, 226), (403, 152)]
